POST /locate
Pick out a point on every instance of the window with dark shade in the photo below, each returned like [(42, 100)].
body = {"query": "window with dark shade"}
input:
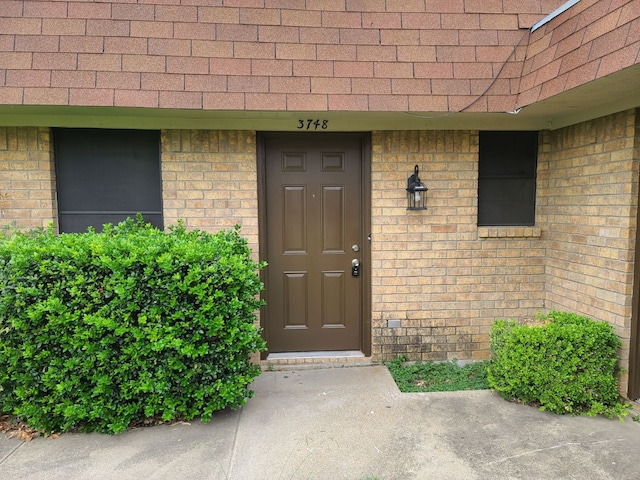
[(507, 178), (105, 176)]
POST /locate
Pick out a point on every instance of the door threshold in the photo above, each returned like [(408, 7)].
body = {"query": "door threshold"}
[(319, 359), (318, 354)]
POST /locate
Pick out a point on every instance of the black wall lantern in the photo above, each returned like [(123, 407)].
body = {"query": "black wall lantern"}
[(416, 192)]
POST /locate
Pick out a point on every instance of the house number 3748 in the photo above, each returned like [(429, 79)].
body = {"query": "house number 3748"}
[(312, 124)]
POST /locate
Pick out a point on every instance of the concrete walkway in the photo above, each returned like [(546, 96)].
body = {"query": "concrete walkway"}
[(345, 423)]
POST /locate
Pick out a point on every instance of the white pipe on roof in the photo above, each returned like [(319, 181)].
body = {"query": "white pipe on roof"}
[(554, 14)]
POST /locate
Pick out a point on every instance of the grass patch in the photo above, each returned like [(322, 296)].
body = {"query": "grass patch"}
[(438, 377)]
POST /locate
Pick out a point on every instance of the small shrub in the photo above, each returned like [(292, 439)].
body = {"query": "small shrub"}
[(569, 364), (101, 330)]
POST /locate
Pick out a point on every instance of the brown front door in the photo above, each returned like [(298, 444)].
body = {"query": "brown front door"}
[(314, 233)]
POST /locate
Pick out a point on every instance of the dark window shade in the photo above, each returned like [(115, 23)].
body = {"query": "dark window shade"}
[(507, 178), (105, 176)]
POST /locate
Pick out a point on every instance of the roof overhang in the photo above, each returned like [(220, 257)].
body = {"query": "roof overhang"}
[(613, 93)]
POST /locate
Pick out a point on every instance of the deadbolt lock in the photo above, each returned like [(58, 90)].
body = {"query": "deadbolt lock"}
[(355, 267)]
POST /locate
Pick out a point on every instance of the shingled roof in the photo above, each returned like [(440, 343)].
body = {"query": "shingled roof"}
[(415, 57)]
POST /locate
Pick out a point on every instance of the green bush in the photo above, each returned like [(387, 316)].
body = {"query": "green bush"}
[(569, 364), (101, 330)]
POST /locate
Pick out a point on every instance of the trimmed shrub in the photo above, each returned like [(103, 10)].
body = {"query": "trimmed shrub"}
[(102, 330), (569, 364)]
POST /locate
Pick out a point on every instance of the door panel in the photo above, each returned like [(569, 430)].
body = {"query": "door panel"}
[(295, 220), (333, 300), (313, 216), (295, 300), (333, 219)]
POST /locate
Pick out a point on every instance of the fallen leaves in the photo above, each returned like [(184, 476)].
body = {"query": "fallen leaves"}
[(14, 428), (11, 427)]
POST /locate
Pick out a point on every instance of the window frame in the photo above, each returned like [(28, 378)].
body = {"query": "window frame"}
[(107, 175), (507, 177)]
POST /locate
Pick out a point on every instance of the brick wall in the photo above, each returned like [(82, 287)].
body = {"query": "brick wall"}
[(589, 186), (27, 179), (442, 277), (446, 280), (209, 180), (434, 270)]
